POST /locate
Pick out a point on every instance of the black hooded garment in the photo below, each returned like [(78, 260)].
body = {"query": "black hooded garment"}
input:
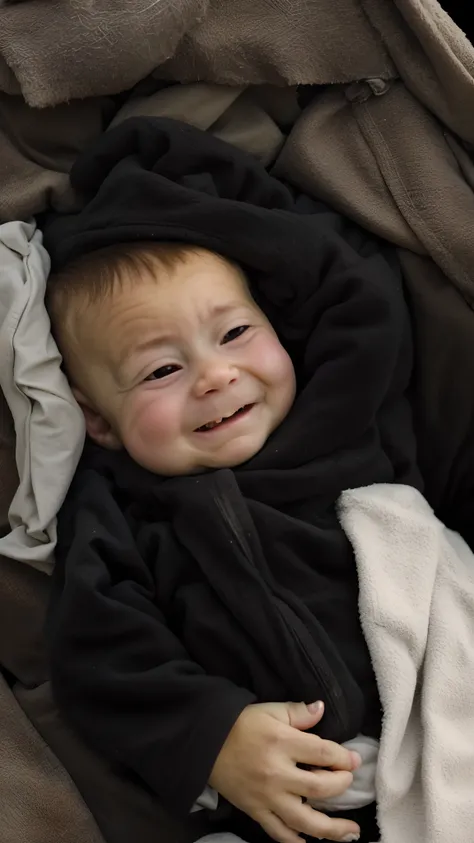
[(179, 601)]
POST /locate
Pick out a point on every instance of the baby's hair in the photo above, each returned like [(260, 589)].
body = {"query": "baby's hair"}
[(92, 276)]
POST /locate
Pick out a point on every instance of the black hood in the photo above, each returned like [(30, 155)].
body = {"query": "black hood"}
[(159, 179)]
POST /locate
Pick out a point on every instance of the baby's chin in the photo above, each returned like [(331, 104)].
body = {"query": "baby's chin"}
[(234, 453)]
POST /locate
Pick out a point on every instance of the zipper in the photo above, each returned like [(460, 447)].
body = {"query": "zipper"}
[(334, 695), (359, 92)]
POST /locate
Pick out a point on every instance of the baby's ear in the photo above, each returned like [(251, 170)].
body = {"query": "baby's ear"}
[(97, 427)]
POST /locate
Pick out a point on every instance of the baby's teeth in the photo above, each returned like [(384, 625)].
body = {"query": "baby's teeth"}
[(211, 424)]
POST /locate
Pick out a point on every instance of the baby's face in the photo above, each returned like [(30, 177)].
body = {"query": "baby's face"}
[(186, 369)]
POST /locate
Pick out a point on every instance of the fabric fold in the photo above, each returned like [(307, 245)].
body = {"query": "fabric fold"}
[(48, 423)]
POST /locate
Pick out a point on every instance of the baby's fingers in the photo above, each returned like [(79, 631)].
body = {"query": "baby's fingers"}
[(305, 820), (321, 784), (278, 830), (315, 752)]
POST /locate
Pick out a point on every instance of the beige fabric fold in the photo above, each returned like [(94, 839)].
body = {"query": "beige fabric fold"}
[(37, 149), (250, 119)]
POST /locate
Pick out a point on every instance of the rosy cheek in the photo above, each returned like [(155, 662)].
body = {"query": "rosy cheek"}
[(151, 418), (274, 364)]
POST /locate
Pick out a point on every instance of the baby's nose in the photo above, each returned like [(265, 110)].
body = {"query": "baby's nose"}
[(216, 377)]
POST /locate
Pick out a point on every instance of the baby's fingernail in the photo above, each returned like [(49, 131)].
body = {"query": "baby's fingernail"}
[(351, 838), (356, 762), (315, 707)]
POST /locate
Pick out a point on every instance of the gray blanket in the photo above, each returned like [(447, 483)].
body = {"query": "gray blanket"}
[(48, 423)]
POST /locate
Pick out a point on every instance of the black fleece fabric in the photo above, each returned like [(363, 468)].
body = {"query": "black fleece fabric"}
[(179, 601)]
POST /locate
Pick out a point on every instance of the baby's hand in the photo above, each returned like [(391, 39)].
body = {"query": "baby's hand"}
[(256, 770)]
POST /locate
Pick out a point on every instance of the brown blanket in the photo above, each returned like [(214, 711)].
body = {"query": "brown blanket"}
[(40, 803), (72, 49)]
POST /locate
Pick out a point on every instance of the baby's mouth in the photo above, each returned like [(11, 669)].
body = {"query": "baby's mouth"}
[(219, 422)]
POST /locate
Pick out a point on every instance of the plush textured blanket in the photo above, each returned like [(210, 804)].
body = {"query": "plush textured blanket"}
[(417, 611)]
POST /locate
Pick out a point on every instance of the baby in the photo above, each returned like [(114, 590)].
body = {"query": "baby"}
[(171, 359)]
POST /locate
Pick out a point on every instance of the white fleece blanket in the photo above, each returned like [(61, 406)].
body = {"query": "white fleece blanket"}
[(417, 612)]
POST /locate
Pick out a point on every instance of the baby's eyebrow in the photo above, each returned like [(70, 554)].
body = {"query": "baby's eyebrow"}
[(222, 309), (153, 342)]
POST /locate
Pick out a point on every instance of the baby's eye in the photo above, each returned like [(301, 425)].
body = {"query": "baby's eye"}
[(234, 333), (162, 372)]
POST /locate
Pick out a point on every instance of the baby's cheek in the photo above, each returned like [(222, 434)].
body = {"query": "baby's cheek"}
[(275, 364), (152, 423)]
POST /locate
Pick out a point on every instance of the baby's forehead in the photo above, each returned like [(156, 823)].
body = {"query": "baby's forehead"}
[(202, 276), (197, 290), (203, 282)]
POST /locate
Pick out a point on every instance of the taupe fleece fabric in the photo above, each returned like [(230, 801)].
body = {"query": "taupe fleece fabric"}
[(381, 158), (311, 42), (40, 803), (71, 49)]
